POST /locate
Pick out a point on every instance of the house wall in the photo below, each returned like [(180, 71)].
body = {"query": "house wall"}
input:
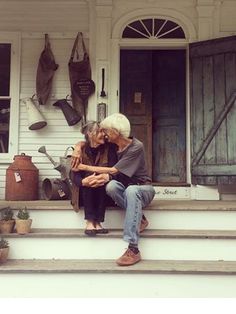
[(99, 20), (62, 21)]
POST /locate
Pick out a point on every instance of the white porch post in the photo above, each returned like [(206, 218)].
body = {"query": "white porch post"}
[(205, 9), (103, 37)]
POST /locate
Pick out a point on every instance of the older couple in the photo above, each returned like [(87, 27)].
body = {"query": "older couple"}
[(116, 168)]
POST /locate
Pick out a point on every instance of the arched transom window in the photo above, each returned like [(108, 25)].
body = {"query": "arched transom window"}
[(153, 28)]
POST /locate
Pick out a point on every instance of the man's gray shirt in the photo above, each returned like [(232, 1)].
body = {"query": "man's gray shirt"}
[(131, 162)]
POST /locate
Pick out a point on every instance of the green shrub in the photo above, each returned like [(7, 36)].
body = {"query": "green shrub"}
[(3, 244), (6, 213), (23, 214)]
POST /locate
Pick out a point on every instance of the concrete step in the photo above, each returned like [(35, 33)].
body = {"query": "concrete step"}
[(103, 278), (154, 244)]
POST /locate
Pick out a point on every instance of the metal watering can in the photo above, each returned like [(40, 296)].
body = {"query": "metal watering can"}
[(62, 186)]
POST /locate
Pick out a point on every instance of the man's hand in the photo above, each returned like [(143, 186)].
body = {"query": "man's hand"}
[(76, 157), (95, 181), (75, 161)]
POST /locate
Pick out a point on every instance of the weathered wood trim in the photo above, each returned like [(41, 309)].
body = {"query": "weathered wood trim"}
[(220, 118), (213, 47), (227, 188), (117, 233), (207, 170)]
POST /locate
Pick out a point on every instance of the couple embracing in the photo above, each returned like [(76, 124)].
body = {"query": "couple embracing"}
[(111, 163)]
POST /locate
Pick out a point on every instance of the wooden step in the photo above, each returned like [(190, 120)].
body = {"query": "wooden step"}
[(117, 233), (208, 215), (162, 205), (153, 244), (110, 267)]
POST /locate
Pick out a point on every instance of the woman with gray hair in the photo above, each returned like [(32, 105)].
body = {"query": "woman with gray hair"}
[(95, 152)]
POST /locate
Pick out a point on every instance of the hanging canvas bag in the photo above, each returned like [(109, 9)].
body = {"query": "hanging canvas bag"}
[(45, 72), (79, 71)]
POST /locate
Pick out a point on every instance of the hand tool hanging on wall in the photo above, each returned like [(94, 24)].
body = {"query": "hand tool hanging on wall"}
[(103, 94), (45, 72), (80, 76), (101, 111)]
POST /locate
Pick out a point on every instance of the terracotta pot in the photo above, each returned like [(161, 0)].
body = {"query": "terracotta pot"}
[(7, 226), (23, 226), (4, 254)]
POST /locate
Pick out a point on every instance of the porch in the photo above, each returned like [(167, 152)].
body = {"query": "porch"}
[(187, 250)]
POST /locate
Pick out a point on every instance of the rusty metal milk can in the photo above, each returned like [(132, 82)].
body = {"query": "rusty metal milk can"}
[(22, 180)]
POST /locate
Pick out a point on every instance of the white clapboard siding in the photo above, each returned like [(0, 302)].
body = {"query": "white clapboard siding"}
[(2, 180), (31, 16), (61, 20)]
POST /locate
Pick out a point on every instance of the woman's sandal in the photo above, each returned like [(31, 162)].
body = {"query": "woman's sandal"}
[(101, 231), (90, 232)]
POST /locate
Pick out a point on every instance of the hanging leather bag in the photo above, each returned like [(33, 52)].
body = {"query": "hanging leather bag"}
[(45, 72), (79, 72)]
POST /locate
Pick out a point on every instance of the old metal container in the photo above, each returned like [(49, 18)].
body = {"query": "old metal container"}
[(22, 179), (55, 189)]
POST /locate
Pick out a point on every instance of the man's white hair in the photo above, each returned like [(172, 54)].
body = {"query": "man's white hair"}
[(117, 121)]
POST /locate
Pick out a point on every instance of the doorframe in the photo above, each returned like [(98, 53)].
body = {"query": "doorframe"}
[(118, 43)]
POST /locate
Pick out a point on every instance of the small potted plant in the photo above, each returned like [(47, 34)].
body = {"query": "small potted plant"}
[(7, 222), (4, 250), (23, 221)]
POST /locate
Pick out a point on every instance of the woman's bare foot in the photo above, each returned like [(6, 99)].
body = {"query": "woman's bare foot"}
[(99, 228), (90, 228)]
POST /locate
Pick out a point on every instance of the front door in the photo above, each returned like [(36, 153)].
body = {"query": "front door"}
[(152, 96)]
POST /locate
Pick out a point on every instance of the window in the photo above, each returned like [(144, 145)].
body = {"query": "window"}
[(153, 28), (9, 94), (5, 65)]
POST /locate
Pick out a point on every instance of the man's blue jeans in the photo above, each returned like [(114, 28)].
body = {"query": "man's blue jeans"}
[(133, 199)]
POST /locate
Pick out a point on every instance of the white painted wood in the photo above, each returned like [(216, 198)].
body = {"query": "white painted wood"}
[(119, 285), (205, 20), (48, 17), (172, 192), (112, 248), (13, 38), (169, 219), (227, 17)]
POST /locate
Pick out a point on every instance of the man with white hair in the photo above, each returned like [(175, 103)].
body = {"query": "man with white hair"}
[(128, 183)]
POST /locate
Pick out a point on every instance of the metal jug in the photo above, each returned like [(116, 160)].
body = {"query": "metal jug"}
[(71, 115), (35, 118)]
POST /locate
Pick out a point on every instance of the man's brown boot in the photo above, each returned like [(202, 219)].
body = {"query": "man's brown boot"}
[(128, 258)]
